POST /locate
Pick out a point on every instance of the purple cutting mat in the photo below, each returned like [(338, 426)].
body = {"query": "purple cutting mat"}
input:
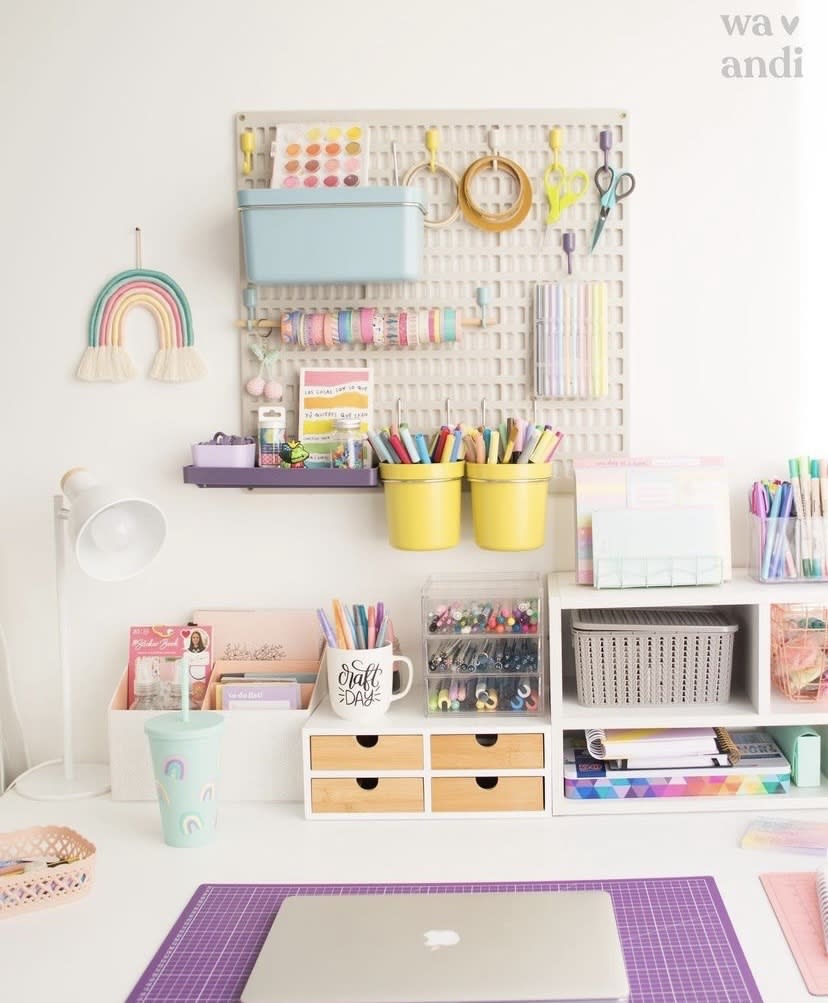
[(679, 944)]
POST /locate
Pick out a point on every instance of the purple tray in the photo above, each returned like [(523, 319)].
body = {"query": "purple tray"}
[(679, 944), (279, 477)]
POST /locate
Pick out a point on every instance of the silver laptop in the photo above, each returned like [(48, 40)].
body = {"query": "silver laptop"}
[(510, 947)]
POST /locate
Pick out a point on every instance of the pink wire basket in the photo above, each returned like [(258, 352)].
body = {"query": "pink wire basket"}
[(799, 651), (46, 886)]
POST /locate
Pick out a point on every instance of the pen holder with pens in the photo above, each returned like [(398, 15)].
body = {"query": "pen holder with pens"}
[(789, 549), (509, 503), (422, 504)]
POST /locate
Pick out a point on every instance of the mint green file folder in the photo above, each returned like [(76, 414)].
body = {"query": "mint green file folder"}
[(802, 748)]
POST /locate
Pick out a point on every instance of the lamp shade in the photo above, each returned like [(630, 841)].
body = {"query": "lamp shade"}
[(114, 535)]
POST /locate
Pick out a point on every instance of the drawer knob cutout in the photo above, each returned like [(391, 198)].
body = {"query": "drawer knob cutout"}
[(368, 783), (486, 783), (487, 741)]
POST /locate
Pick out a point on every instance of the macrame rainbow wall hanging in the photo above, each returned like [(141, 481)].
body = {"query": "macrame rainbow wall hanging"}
[(106, 357)]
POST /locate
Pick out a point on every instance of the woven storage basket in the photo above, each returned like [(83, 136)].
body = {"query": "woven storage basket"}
[(46, 886), (652, 656)]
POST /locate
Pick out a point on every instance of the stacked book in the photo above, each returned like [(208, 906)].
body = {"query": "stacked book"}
[(672, 762)]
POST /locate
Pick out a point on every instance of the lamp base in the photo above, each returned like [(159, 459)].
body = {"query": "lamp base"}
[(48, 783)]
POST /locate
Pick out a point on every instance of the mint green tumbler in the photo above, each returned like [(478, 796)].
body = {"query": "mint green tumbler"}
[(185, 753)]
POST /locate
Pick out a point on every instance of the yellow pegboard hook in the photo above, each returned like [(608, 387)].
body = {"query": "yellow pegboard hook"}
[(247, 143), (432, 142), (555, 144)]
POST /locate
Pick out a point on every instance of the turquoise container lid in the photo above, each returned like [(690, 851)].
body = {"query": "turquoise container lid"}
[(198, 726), (372, 195)]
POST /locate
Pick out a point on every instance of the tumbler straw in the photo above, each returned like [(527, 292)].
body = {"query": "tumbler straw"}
[(185, 687)]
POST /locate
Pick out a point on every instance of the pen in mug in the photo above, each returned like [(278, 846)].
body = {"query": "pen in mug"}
[(327, 629)]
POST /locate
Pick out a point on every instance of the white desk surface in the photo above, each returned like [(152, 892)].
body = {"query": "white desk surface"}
[(95, 949)]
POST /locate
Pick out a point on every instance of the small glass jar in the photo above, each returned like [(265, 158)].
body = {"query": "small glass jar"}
[(347, 444), (147, 695)]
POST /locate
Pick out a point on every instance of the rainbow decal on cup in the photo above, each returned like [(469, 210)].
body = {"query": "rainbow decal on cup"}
[(174, 768), (208, 791), (162, 792), (190, 823)]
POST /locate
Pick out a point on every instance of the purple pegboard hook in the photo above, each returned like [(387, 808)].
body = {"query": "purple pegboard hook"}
[(605, 142), (569, 247)]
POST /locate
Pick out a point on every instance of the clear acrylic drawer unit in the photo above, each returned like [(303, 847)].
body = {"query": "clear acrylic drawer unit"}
[(652, 656), (483, 644)]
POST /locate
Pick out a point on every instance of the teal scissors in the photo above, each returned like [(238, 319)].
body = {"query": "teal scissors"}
[(619, 184)]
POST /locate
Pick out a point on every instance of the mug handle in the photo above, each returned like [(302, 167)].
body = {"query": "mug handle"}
[(402, 693)]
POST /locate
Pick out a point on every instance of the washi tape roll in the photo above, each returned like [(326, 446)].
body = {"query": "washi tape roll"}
[(509, 218)]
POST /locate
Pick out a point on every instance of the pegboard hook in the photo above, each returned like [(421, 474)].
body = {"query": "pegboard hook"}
[(605, 142), (395, 161), (399, 412), (138, 248), (493, 145), (483, 412), (555, 143), (432, 142), (247, 143)]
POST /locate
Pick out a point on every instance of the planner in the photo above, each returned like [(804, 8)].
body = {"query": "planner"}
[(800, 901)]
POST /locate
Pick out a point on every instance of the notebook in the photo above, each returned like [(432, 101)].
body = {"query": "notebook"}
[(560, 947), (800, 901)]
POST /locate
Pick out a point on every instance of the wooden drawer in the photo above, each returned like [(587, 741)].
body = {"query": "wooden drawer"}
[(367, 794), (487, 794), (366, 752), (513, 751)]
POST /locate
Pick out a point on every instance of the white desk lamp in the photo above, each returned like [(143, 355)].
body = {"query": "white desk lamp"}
[(115, 537)]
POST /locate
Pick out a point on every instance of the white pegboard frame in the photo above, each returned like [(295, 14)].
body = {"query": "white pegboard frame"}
[(491, 368)]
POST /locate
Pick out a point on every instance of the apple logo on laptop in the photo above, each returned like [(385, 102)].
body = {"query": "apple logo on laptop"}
[(435, 939)]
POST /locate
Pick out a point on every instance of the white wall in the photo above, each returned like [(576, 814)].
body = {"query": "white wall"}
[(121, 114)]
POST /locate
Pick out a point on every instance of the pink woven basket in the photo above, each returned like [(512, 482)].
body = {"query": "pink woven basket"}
[(47, 886)]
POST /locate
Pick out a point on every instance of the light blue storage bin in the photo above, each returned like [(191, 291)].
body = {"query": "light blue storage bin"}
[(334, 235)]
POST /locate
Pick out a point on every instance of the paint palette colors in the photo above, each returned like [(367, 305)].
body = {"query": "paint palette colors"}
[(313, 155), (679, 944)]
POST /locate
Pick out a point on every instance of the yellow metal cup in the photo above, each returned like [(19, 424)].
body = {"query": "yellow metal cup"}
[(509, 503), (422, 504)]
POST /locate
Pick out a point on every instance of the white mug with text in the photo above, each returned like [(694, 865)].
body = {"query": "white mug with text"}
[(360, 681)]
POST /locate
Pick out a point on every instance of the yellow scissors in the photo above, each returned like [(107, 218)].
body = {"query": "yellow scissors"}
[(563, 188)]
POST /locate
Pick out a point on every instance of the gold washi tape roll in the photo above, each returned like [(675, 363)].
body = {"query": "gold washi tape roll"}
[(509, 218)]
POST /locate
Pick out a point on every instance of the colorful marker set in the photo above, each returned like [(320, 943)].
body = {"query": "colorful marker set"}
[(356, 627), (571, 339), (791, 523), (513, 441), (486, 695), (512, 617), (484, 655)]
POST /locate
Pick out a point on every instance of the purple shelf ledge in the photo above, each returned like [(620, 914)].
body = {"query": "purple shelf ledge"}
[(279, 477)]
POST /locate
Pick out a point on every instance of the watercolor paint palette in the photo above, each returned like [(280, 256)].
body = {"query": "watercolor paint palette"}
[(319, 155)]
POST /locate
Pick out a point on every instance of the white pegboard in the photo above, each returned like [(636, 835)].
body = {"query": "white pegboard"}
[(491, 364)]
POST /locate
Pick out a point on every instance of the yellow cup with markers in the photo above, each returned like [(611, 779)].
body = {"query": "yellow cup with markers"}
[(422, 504), (509, 503)]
